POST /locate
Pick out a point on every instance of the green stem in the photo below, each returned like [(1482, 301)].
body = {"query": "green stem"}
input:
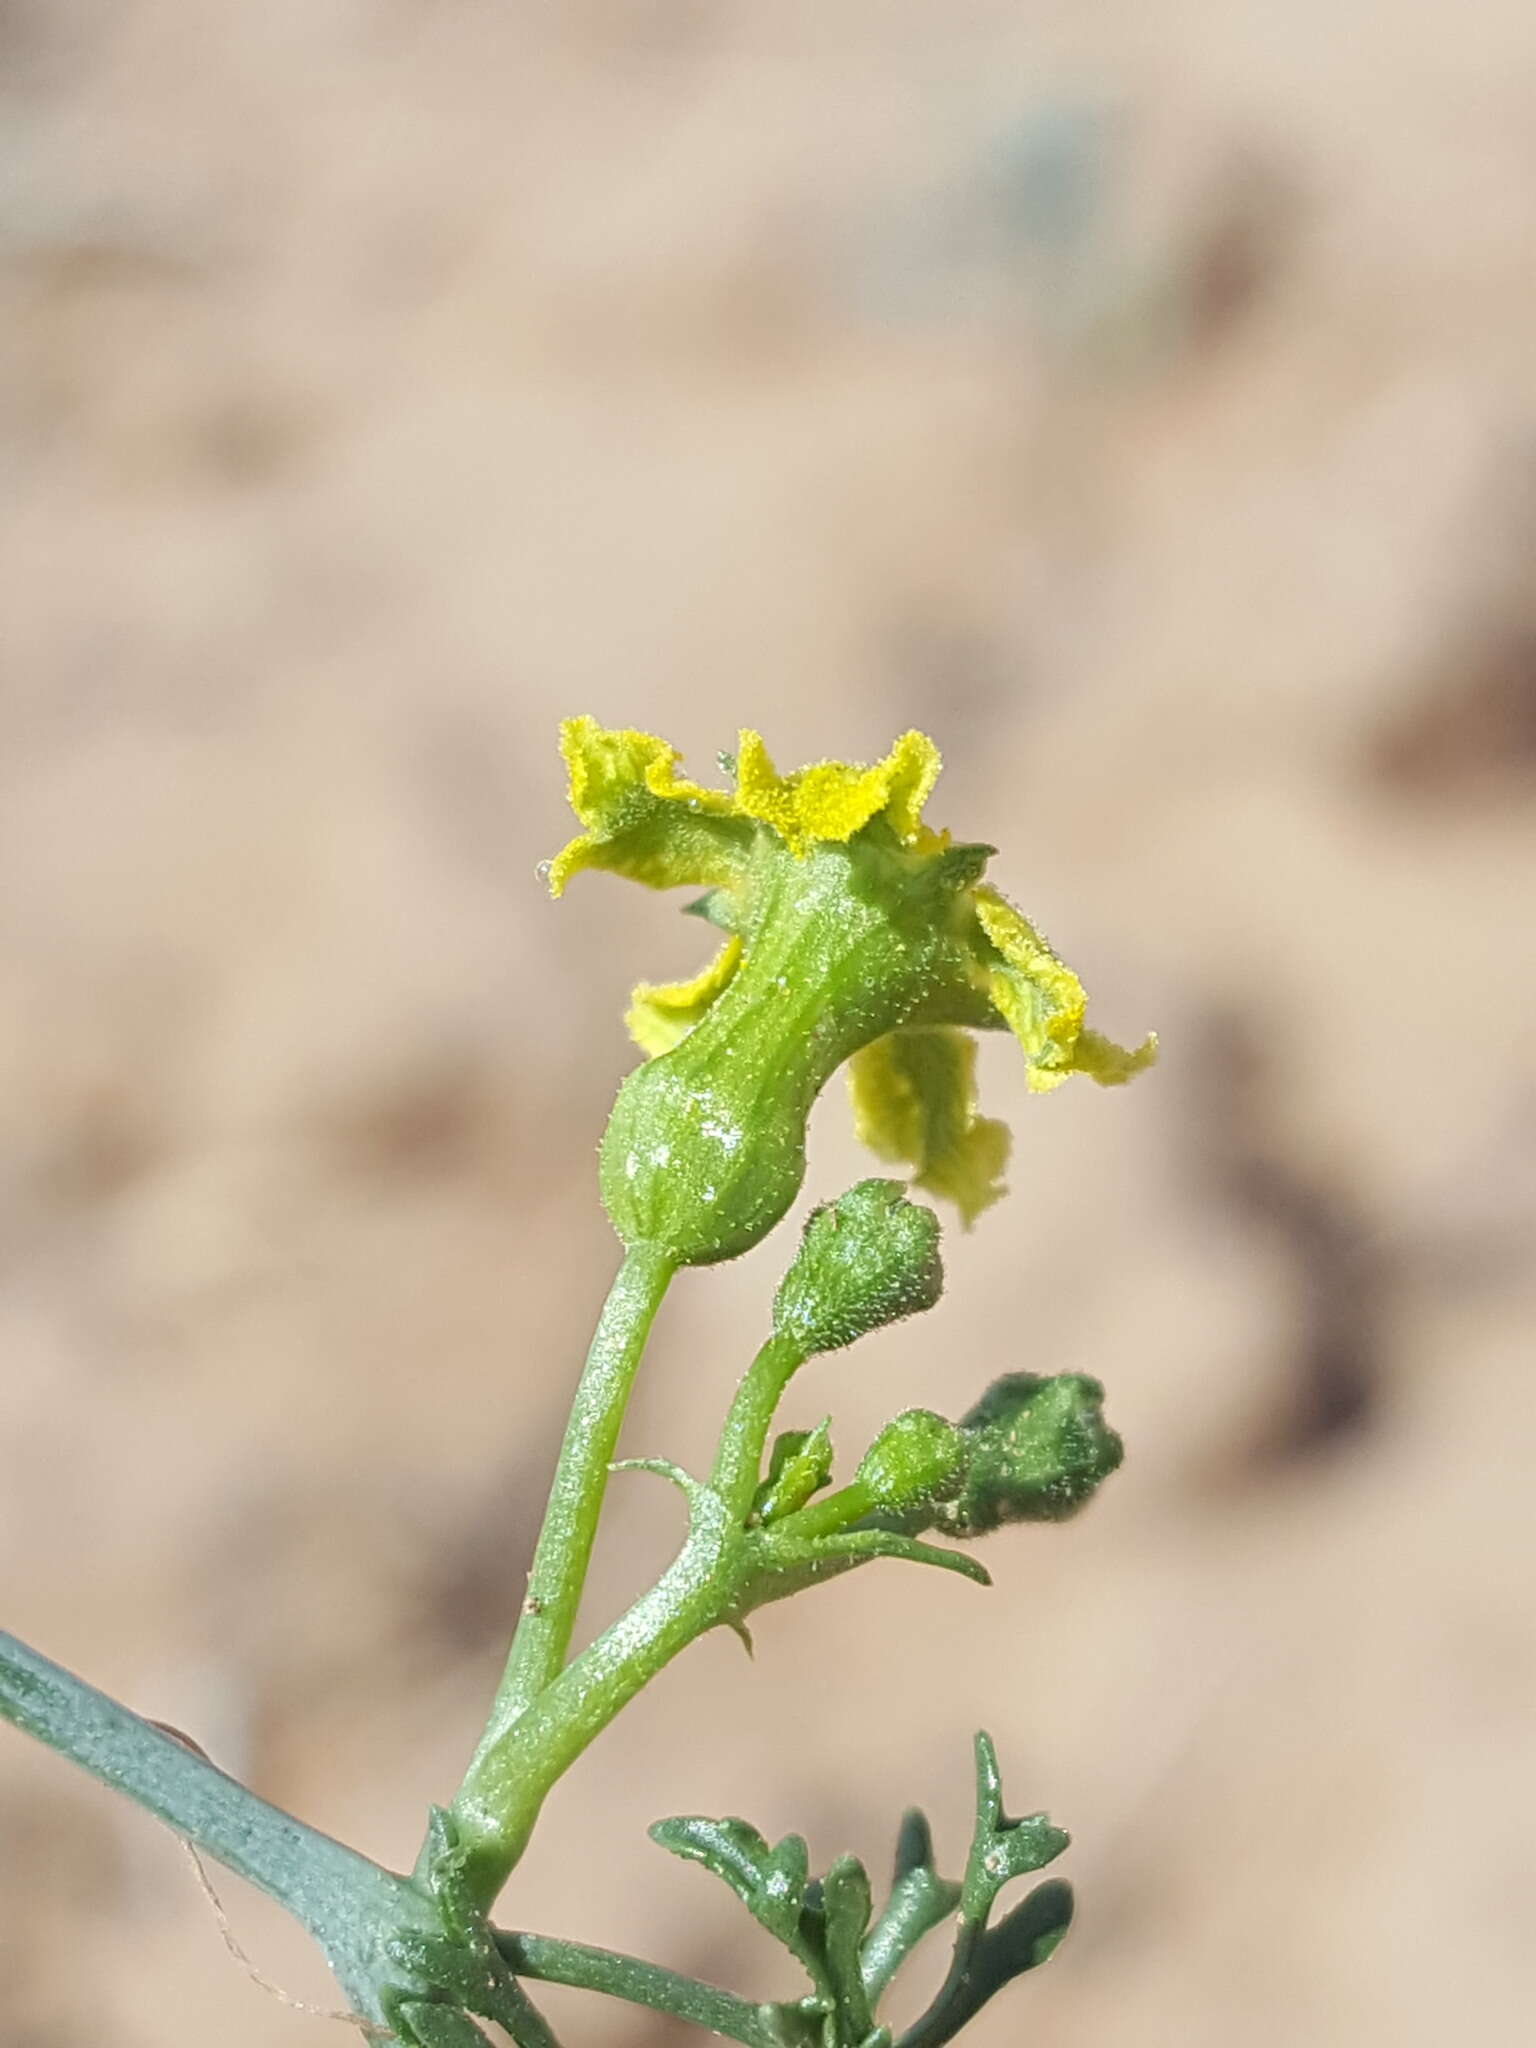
[(828, 1516), (526, 1750), (544, 1960), (511, 1777), (349, 1904), (739, 1459), (543, 1717), (564, 1549)]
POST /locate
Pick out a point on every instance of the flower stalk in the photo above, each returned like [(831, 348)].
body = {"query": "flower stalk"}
[(855, 937), (564, 1551)]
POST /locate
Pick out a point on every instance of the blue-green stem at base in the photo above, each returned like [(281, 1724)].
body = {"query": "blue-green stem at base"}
[(349, 1904), (352, 1907)]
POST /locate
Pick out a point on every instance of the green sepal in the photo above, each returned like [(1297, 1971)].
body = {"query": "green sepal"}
[(799, 1465), (715, 907)]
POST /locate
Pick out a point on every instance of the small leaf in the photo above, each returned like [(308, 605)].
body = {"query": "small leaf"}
[(1002, 1848), (1024, 1846), (424, 2025), (846, 1904), (782, 1896), (771, 1883), (461, 1970), (919, 1901), (663, 1468), (989, 1784), (444, 1859), (791, 2025), (1024, 1938), (732, 1849), (986, 1959), (863, 1543), (799, 1465), (472, 1976), (914, 1844), (985, 1963)]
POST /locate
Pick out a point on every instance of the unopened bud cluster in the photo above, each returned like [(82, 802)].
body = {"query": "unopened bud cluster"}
[(1035, 1450)]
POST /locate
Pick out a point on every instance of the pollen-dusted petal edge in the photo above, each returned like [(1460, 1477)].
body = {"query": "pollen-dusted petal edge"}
[(831, 800), (642, 819), (661, 1014), (1042, 1002), (645, 821)]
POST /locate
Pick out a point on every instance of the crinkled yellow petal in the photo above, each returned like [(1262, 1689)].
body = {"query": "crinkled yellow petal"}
[(914, 1102), (831, 800), (1042, 1002), (662, 1014), (643, 820), (1110, 1064)]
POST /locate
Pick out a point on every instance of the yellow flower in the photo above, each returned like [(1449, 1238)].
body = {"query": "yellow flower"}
[(914, 1103), (855, 933), (661, 1014)]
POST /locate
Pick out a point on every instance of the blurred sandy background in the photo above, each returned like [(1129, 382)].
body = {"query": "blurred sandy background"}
[(1141, 399)]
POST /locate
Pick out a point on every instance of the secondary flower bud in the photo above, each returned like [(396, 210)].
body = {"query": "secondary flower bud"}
[(1035, 1449), (916, 1459), (869, 1258)]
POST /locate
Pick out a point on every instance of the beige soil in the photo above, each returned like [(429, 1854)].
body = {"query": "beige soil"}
[(1143, 400)]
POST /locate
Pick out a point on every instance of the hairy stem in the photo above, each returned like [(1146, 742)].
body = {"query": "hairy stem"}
[(564, 1549), (525, 1751), (511, 1777), (739, 1459), (543, 1960)]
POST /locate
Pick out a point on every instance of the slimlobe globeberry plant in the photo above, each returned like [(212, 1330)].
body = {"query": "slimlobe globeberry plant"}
[(852, 935)]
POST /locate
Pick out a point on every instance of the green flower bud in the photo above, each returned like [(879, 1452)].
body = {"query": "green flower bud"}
[(918, 1458), (869, 1258), (1035, 1451), (705, 1149)]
